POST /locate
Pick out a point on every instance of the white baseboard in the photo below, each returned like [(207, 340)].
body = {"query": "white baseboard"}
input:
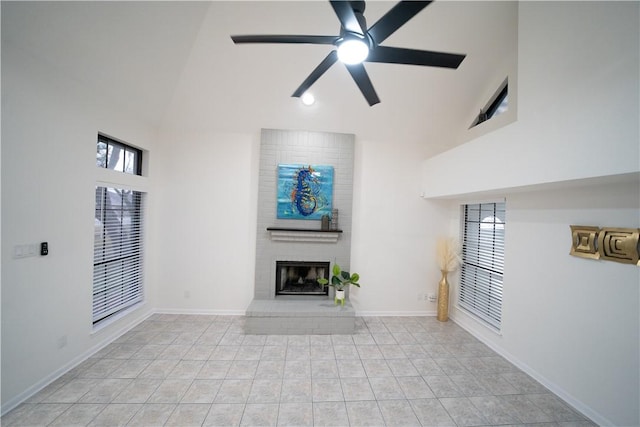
[(105, 341), (554, 388), (201, 312), (395, 313)]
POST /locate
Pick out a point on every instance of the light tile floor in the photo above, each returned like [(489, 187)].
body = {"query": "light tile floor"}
[(188, 370)]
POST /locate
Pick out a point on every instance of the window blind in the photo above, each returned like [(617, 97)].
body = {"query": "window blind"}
[(118, 249), (483, 261)]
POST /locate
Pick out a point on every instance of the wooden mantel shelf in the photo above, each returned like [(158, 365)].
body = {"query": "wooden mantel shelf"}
[(282, 234)]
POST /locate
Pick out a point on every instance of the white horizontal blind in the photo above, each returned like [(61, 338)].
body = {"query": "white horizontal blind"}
[(118, 249), (483, 261)]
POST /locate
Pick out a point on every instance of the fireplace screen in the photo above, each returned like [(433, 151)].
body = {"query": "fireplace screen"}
[(301, 277)]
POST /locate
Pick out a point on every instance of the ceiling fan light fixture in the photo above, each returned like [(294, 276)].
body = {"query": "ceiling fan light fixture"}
[(353, 51)]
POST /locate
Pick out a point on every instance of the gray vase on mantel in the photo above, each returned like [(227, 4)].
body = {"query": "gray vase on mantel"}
[(334, 219), (325, 223)]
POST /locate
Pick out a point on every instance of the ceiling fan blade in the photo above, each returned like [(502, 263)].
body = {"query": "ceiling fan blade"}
[(398, 55), (315, 74), (285, 39), (347, 16), (361, 78), (395, 18)]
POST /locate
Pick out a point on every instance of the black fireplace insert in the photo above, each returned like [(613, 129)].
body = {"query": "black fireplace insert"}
[(301, 277)]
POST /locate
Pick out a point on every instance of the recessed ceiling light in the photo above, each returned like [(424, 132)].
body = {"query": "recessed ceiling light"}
[(307, 99)]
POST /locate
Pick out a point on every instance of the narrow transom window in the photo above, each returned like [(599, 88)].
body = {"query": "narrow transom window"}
[(483, 261), (498, 105), (118, 249), (117, 156)]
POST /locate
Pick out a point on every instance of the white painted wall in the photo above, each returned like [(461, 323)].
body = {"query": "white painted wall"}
[(393, 230), (571, 323), (207, 205), (49, 130), (206, 188), (578, 108)]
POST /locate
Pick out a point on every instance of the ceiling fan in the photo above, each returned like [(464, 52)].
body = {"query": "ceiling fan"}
[(357, 43)]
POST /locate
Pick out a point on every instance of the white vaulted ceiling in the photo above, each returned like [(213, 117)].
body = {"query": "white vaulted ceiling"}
[(174, 64)]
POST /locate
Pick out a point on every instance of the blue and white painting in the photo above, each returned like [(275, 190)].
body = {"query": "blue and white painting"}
[(304, 191)]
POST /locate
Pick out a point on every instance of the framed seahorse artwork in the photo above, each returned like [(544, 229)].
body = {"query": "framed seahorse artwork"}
[(304, 191)]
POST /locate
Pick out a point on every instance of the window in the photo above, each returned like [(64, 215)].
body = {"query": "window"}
[(497, 106), (117, 156), (117, 257), (118, 235), (500, 104), (483, 261)]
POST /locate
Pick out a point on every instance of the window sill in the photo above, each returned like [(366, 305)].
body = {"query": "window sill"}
[(97, 327), (462, 317)]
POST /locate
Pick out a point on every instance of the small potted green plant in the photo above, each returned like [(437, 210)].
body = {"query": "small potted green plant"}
[(340, 281)]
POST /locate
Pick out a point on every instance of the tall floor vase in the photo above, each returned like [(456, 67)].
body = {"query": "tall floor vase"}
[(443, 298)]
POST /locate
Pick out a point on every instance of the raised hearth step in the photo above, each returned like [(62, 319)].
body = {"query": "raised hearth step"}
[(299, 317), (321, 307)]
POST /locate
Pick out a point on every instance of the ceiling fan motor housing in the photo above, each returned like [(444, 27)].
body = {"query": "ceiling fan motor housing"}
[(358, 10)]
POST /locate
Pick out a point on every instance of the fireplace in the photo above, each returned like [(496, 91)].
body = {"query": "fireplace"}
[(301, 277)]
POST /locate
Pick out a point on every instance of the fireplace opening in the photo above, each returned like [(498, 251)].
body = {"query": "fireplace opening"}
[(301, 277)]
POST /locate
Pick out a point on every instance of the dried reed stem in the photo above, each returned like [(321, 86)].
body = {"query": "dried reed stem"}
[(448, 254)]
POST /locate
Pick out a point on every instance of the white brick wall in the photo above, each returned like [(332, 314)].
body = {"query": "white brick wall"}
[(310, 148)]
